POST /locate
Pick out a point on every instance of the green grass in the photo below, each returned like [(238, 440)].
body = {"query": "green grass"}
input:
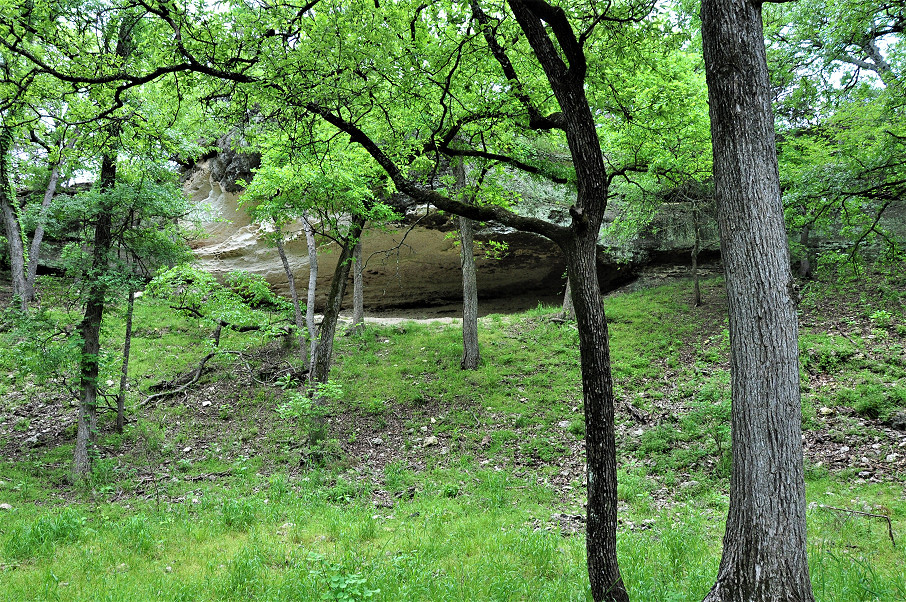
[(247, 514)]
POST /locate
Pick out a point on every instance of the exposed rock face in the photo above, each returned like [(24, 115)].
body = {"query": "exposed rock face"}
[(414, 263), (405, 265)]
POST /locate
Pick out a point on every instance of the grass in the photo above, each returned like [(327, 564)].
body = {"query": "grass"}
[(479, 515)]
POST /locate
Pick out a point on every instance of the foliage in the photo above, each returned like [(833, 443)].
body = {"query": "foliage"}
[(245, 301)]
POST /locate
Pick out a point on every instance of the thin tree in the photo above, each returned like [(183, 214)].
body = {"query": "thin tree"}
[(471, 354)]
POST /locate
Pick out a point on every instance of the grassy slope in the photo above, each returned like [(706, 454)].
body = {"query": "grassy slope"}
[(204, 498)]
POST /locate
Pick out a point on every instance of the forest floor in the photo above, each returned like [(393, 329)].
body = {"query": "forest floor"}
[(423, 481)]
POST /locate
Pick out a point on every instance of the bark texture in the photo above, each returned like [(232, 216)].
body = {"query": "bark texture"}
[(312, 247), (297, 309), (90, 328), (471, 353), (124, 373), (569, 311), (764, 555), (358, 290), (10, 221), (34, 250), (580, 246), (320, 369), (805, 265)]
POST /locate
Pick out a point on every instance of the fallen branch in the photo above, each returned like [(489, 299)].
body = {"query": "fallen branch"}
[(866, 514), (191, 382)]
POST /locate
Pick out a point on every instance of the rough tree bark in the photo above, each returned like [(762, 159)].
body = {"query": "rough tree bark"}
[(297, 309), (10, 222), (471, 353), (568, 85), (34, 250), (805, 265), (569, 311), (312, 247), (696, 247), (124, 373), (320, 368), (764, 555), (90, 328), (358, 290)]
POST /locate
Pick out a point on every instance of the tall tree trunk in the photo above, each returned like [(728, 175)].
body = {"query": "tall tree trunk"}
[(320, 369), (471, 354), (34, 250), (124, 373), (10, 221), (297, 310), (805, 265), (536, 19), (764, 554), (312, 246), (569, 310), (90, 328), (696, 247), (358, 290)]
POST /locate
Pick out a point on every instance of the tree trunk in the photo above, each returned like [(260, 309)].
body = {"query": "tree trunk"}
[(310, 297), (600, 436), (696, 247), (297, 310), (124, 374), (34, 250), (358, 290), (764, 555), (569, 310), (90, 328), (580, 247), (10, 221), (471, 354), (805, 265), (320, 369)]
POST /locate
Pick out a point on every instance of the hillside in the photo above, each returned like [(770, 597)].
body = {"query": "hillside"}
[(419, 481)]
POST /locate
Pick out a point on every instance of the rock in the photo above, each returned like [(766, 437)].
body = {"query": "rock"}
[(564, 424), (5, 507), (432, 440), (892, 457), (825, 411), (377, 441), (186, 450), (205, 404), (898, 421), (32, 441), (168, 569), (424, 429)]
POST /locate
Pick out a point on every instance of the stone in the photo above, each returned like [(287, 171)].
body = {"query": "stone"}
[(563, 424), (825, 411), (5, 507), (377, 441), (432, 440), (898, 421), (892, 457), (205, 404)]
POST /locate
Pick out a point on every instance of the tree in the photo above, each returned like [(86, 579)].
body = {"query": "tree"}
[(764, 555), (471, 355), (416, 85)]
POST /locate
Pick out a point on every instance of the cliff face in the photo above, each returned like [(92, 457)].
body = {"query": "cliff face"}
[(416, 262)]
